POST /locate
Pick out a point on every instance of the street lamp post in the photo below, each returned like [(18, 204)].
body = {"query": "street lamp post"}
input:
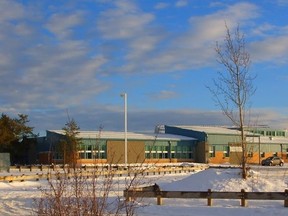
[(125, 123)]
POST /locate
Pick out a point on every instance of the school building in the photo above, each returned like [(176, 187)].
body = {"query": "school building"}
[(171, 144)]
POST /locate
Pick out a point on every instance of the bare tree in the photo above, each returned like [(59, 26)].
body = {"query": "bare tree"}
[(234, 85), (96, 190)]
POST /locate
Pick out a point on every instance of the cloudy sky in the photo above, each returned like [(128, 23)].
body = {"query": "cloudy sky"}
[(60, 58)]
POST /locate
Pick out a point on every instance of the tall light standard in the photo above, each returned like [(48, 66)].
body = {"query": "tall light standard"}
[(125, 123)]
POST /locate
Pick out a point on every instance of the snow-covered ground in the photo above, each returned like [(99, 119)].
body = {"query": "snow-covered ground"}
[(17, 197)]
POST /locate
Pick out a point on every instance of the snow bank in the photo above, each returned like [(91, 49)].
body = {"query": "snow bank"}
[(229, 180)]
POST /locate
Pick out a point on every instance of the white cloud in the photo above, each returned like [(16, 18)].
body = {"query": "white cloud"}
[(125, 5), (264, 30), (141, 46), (10, 10), (272, 117), (163, 95), (62, 24), (212, 27), (272, 49), (194, 48), (161, 5), (282, 2), (181, 3), (123, 22), (189, 49)]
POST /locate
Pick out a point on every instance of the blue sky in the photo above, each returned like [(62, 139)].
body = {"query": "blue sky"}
[(76, 57)]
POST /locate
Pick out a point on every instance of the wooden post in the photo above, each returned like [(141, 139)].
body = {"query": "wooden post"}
[(159, 200), (128, 199), (286, 198), (243, 200), (126, 194), (209, 199)]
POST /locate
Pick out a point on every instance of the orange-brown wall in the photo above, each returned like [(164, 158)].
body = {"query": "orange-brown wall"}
[(220, 159), (255, 158), (91, 161), (116, 151), (167, 160)]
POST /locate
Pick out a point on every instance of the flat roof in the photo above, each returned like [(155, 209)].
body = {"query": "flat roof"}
[(209, 129), (130, 135), (251, 137)]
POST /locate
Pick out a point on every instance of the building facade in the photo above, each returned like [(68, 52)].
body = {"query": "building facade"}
[(201, 144), (222, 144), (109, 147)]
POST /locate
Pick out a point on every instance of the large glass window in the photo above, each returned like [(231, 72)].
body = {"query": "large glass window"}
[(156, 151), (181, 150), (93, 151), (280, 133), (270, 133)]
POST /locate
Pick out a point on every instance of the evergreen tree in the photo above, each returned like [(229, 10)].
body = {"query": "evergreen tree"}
[(12, 133)]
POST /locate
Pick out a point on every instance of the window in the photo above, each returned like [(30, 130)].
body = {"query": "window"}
[(97, 151), (82, 152), (270, 133), (156, 151), (165, 152), (184, 151), (179, 150), (280, 133), (226, 151), (173, 151), (147, 151), (212, 150)]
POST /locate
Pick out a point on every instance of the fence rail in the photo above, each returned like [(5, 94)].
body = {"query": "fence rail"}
[(56, 172), (243, 196)]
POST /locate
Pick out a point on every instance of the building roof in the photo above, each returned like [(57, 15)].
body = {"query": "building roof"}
[(210, 129), (130, 135), (252, 137)]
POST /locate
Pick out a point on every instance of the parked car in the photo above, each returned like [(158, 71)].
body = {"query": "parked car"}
[(272, 161)]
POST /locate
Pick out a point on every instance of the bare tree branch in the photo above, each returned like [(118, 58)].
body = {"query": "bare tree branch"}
[(234, 85)]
